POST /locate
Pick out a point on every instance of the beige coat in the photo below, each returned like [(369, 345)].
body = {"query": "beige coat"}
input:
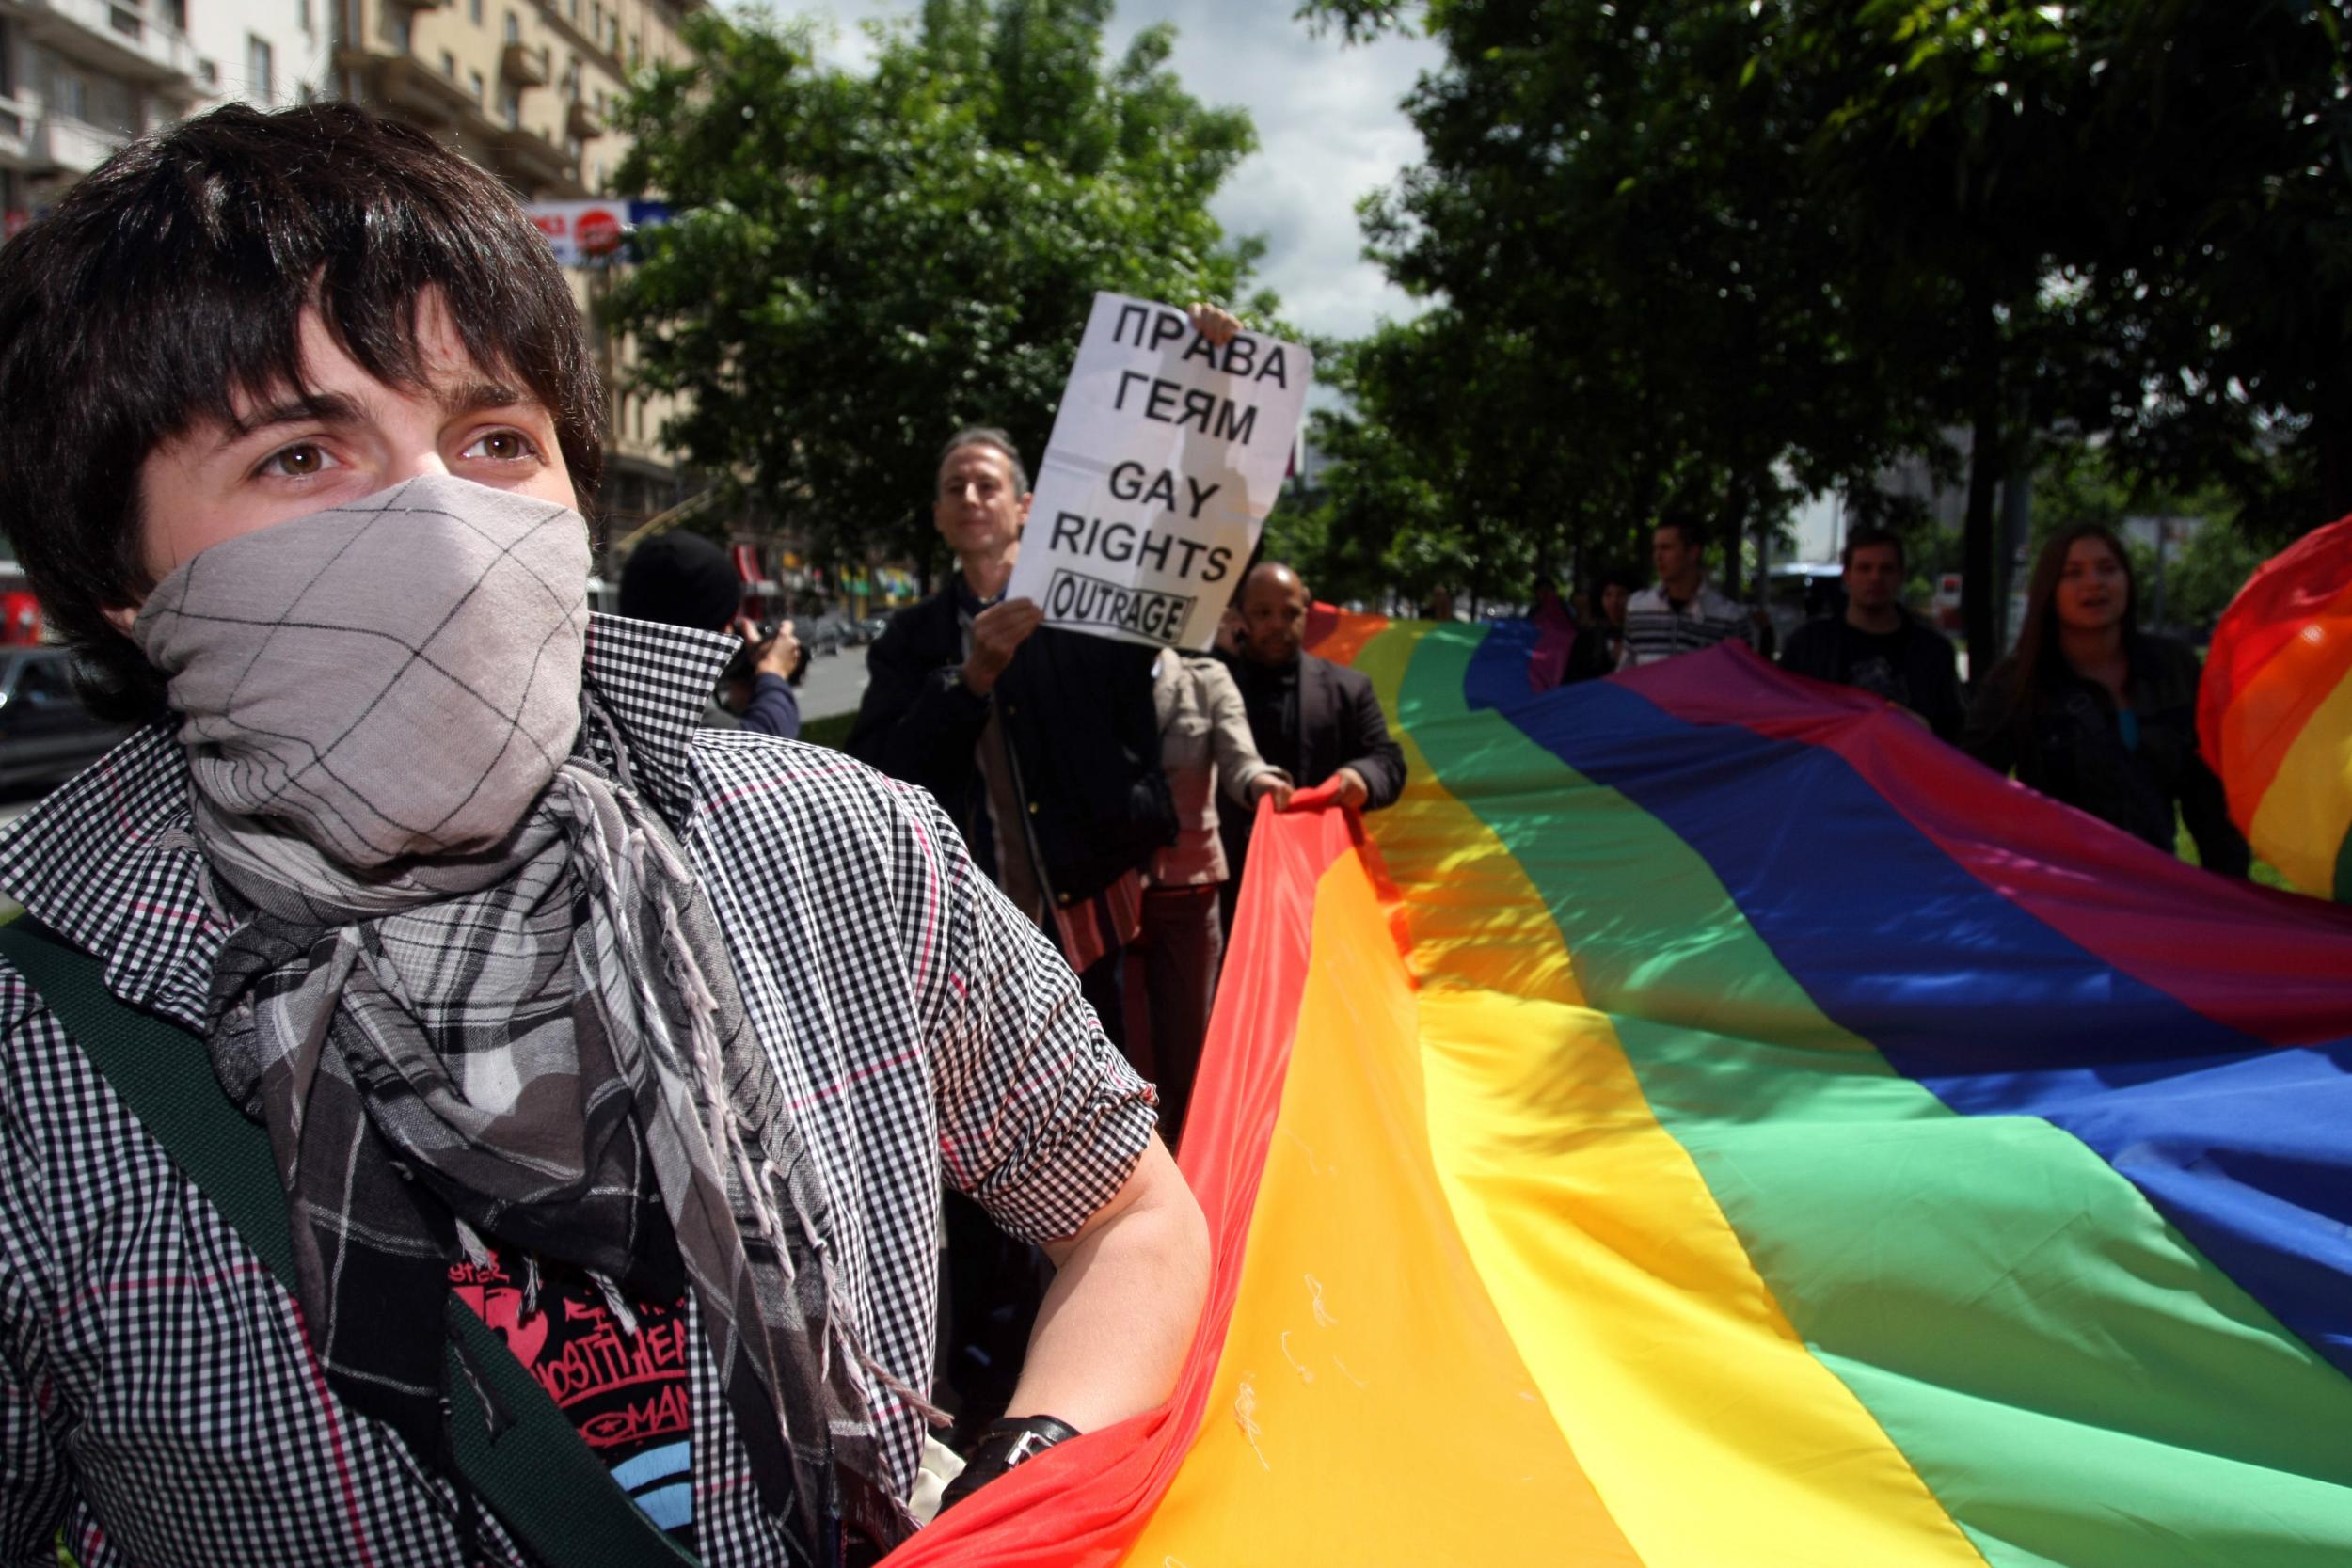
[(1205, 744)]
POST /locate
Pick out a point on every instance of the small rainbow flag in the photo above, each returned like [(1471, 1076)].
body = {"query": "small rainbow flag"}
[(2275, 711), (1708, 1123)]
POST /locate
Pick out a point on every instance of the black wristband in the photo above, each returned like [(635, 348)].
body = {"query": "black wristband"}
[(1012, 1441)]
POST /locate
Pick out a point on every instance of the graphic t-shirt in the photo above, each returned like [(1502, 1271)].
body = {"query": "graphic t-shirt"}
[(625, 1392), (1909, 665), (1875, 662)]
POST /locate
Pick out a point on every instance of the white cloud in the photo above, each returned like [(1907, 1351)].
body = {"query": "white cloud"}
[(1330, 130)]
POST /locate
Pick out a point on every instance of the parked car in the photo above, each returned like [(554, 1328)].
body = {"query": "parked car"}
[(45, 731), (1799, 593), (825, 634), (871, 629)]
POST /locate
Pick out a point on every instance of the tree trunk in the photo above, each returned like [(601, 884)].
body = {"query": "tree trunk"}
[(2331, 424), (1980, 577)]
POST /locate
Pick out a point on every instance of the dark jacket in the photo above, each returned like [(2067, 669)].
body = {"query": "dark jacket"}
[(1340, 725), (2073, 750), (1084, 735), (1920, 675), (1595, 653)]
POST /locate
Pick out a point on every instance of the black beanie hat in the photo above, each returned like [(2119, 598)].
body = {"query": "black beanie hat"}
[(680, 580)]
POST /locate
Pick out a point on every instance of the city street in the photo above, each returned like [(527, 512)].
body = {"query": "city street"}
[(834, 683)]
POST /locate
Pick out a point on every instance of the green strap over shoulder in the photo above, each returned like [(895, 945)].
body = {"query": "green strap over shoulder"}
[(538, 1475)]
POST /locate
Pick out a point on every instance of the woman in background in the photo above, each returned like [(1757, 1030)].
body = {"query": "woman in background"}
[(2093, 711)]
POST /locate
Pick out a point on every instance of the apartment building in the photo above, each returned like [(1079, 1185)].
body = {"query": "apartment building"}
[(78, 78), (523, 88), (268, 53)]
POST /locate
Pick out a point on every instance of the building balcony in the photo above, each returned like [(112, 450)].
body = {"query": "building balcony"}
[(19, 128), (59, 145), (534, 162), (579, 122), (404, 87), (138, 39), (524, 66)]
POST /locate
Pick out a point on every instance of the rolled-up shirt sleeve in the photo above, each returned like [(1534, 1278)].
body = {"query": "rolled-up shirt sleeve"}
[(1040, 1118)]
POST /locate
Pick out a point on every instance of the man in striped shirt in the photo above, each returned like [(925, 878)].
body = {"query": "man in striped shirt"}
[(1685, 612)]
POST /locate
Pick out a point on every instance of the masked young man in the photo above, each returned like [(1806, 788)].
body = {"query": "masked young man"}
[(647, 1045)]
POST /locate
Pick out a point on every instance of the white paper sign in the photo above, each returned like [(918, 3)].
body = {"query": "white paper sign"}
[(1166, 455)]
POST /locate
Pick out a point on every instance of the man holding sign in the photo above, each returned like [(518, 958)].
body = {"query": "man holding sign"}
[(1042, 745)]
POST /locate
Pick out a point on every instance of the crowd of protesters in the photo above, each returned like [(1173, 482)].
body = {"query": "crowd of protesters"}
[(560, 1000), (2089, 708)]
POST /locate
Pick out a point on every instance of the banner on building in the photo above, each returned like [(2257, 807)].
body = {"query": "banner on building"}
[(1166, 455), (592, 234)]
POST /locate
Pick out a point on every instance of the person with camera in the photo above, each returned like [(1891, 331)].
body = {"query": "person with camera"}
[(680, 580), (759, 681)]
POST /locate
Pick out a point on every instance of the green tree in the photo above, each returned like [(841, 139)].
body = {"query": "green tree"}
[(862, 263), (1764, 240)]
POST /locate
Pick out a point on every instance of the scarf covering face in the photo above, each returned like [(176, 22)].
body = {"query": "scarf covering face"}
[(474, 990)]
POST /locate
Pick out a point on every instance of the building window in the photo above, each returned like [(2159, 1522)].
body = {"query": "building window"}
[(511, 105), (69, 95), (574, 12), (7, 62), (514, 28), (473, 11), (396, 28), (111, 105), (473, 80), (260, 79), (449, 65), (302, 14)]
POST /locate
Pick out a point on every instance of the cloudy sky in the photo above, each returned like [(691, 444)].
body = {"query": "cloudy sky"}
[(1328, 131)]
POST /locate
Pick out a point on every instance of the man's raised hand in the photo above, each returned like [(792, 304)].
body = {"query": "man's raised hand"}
[(997, 633), (1216, 323)]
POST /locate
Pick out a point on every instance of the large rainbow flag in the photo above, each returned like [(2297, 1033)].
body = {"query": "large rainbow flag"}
[(1708, 1122)]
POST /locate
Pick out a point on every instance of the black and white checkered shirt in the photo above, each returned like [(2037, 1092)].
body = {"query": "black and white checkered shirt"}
[(157, 1398)]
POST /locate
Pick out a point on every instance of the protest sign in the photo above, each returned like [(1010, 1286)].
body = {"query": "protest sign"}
[(1166, 458)]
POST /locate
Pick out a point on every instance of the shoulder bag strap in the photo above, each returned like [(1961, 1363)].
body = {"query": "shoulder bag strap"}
[(537, 1474)]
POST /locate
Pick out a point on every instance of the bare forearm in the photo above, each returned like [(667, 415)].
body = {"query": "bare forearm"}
[(1119, 1316)]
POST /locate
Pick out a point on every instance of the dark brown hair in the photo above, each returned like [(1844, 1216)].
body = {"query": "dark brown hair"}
[(1864, 536), (175, 279), (2039, 661)]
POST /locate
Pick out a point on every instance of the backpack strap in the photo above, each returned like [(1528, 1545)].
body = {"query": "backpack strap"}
[(537, 1474)]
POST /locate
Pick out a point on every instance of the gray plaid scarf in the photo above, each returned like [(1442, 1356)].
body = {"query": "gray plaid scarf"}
[(476, 990)]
